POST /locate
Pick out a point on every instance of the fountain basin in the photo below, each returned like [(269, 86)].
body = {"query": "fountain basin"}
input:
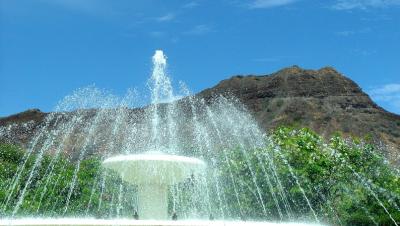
[(154, 168), (128, 222), (153, 173)]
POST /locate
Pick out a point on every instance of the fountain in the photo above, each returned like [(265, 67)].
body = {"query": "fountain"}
[(153, 173), (148, 149)]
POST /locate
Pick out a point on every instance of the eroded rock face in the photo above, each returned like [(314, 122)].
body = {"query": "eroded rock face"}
[(20, 128), (323, 100)]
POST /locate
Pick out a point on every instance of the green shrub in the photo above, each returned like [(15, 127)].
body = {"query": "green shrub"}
[(299, 176), (47, 193), (342, 180)]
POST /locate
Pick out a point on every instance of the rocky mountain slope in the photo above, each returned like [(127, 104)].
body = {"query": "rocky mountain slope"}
[(323, 100)]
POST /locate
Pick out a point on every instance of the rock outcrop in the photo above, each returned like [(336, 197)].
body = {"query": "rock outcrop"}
[(323, 100)]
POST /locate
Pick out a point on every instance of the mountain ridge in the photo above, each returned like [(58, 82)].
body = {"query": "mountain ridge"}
[(323, 100)]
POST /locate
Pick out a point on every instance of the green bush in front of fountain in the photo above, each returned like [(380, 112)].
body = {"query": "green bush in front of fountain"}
[(46, 195), (345, 181)]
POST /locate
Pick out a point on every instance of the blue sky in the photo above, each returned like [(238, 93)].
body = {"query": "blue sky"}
[(49, 48)]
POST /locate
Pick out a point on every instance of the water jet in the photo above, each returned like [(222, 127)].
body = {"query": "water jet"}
[(206, 128)]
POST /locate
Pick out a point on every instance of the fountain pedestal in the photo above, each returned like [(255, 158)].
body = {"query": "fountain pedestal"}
[(153, 173), (153, 201)]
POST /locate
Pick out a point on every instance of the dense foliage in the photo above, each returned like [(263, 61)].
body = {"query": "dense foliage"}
[(297, 176), (50, 184), (300, 176)]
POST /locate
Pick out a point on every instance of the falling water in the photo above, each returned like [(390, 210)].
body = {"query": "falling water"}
[(92, 123)]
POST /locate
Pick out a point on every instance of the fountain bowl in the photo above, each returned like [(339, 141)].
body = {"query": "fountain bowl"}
[(155, 168), (154, 173)]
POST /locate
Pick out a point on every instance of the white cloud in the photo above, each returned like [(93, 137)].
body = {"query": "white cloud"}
[(157, 34), (362, 52), (388, 89), (388, 94), (353, 32), (199, 30), (262, 4), (345, 33), (165, 18), (363, 4), (190, 5)]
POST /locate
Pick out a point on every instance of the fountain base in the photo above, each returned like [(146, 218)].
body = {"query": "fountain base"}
[(129, 222), (153, 201)]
